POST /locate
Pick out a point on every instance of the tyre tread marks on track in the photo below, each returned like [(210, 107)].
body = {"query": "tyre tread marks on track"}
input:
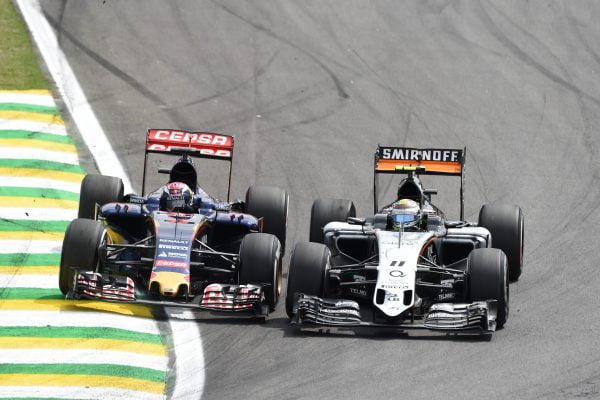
[(33, 145)]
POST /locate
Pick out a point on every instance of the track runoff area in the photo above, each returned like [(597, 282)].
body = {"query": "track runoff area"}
[(51, 347)]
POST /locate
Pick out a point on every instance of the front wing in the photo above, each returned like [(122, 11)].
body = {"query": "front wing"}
[(479, 316), (216, 297)]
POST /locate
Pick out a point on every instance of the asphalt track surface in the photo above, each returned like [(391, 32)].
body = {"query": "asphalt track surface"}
[(309, 88)]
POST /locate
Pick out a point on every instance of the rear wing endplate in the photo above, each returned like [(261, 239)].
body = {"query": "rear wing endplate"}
[(209, 145), (406, 160)]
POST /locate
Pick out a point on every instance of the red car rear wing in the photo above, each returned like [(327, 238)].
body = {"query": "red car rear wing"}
[(405, 160), (209, 145)]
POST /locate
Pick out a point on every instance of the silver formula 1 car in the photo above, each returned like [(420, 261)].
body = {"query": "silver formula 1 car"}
[(407, 266)]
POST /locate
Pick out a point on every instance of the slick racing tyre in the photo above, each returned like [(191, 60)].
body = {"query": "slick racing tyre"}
[(308, 269), (80, 250), (271, 204), (98, 189), (324, 211), (506, 224), (488, 279), (260, 263)]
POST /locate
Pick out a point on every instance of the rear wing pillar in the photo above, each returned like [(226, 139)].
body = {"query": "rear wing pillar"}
[(404, 160)]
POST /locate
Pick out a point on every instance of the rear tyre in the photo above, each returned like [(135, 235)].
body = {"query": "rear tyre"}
[(260, 263), (507, 226), (324, 211), (80, 250), (98, 189), (308, 268), (488, 280), (271, 204)]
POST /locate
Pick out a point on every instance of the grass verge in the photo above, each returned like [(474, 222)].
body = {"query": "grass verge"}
[(19, 69)]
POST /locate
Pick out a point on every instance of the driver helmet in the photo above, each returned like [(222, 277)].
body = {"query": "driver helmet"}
[(405, 212), (176, 197)]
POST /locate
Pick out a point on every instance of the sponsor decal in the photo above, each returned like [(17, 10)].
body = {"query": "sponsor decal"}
[(410, 242), (137, 200), (359, 278), (396, 273), (169, 263), (190, 137), (395, 286), (172, 247), (358, 292), (408, 154), (446, 296), (172, 241), (173, 254), (164, 140), (163, 254), (393, 297)]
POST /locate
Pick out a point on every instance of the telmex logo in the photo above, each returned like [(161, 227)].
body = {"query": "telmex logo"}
[(190, 137), (400, 153)]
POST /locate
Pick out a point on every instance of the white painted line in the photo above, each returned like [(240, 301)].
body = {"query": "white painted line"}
[(40, 183), (94, 137), (29, 281), (30, 246), (78, 318), (32, 153), (62, 356), (38, 214), (74, 392), (26, 98), (189, 363), (32, 126)]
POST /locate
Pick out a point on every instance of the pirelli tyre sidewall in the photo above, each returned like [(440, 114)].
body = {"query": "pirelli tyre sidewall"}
[(324, 211), (507, 226), (307, 273), (271, 204), (488, 279), (98, 189), (260, 263), (80, 250)]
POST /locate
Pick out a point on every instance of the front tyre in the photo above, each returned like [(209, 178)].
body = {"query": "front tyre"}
[(98, 189), (307, 274), (260, 263), (80, 250), (488, 280), (507, 226), (271, 204)]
